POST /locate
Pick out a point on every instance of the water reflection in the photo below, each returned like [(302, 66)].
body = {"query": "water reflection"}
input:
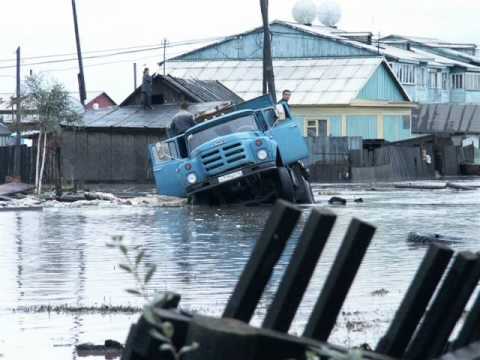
[(59, 257)]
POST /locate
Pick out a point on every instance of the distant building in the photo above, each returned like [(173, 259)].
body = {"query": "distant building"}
[(4, 135), (111, 145), (100, 101), (341, 86)]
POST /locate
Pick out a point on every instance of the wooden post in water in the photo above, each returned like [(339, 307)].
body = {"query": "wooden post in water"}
[(299, 271), (415, 301), (339, 280), (265, 255)]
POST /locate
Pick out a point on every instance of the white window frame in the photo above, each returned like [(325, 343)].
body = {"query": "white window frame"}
[(315, 127), (406, 73), (458, 81), (472, 81)]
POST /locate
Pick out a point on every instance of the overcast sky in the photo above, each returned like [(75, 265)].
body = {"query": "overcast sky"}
[(45, 27)]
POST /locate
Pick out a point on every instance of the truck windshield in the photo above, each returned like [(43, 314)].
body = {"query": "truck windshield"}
[(241, 124)]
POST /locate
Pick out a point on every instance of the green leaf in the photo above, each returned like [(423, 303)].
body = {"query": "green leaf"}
[(168, 329), (139, 257), (159, 336), (133, 292), (167, 347), (124, 249), (150, 273), (125, 267), (185, 349)]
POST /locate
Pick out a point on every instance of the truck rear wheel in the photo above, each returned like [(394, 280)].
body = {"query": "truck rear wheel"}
[(303, 190), (285, 188)]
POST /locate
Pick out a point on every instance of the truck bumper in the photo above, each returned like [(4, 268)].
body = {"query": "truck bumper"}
[(213, 182)]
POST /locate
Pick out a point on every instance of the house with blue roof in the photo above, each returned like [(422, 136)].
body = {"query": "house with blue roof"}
[(343, 83), (341, 86)]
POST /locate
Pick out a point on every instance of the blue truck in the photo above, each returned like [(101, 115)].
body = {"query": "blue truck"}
[(250, 154)]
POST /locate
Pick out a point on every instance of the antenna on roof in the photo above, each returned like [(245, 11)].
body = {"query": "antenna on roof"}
[(304, 12)]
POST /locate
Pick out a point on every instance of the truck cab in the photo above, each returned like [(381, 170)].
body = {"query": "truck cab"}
[(248, 154)]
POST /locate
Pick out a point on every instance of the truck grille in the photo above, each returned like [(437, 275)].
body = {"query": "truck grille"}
[(223, 157)]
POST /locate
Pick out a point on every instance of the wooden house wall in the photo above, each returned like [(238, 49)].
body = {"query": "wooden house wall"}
[(108, 156), (286, 43)]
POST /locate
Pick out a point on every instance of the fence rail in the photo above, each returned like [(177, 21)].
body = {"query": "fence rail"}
[(420, 329)]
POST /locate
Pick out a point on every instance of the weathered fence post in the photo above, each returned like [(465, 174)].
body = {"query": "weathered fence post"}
[(432, 335), (339, 280), (415, 301), (299, 271), (470, 331), (265, 255)]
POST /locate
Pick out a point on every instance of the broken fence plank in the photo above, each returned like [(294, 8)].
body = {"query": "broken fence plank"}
[(431, 338), (299, 271), (470, 352), (339, 280), (470, 331), (265, 255), (415, 301)]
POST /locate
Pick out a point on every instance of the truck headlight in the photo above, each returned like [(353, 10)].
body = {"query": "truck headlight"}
[(192, 178), (262, 154)]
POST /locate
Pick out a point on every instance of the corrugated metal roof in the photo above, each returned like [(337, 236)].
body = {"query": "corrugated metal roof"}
[(136, 117), (446, 118), (313, 81)]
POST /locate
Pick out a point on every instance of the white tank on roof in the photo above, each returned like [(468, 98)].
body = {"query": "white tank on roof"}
[(329, 13)]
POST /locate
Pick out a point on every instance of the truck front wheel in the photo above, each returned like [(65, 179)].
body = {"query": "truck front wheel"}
[(303, 190)]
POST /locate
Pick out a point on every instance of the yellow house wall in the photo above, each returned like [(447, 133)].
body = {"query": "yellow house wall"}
[(322, 112)]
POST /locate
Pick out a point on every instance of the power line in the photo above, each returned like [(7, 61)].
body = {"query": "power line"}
[(131, 50)]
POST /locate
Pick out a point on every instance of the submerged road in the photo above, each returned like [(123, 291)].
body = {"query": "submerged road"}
[(58, 257)]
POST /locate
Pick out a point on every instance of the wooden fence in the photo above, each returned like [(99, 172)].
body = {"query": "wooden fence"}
[(420, 330), (27, 163)]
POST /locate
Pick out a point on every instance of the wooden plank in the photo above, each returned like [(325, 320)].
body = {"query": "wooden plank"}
[(470, 352), (447, 307), (470, 331), (14, 188), (259, 268), (299, 271), (339, 280), (415, 301)]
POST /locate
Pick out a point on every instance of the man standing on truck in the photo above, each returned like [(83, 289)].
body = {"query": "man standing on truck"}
[(286, 94), (182, 121), (147, 89)]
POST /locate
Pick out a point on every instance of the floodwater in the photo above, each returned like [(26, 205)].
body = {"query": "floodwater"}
[(58, 257)]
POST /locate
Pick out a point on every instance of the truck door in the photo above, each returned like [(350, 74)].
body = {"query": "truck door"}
[(290, 141), (165, 171)]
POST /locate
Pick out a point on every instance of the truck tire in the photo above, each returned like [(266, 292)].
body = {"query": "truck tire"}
[(285, 188), (304, 194), (303, 190)]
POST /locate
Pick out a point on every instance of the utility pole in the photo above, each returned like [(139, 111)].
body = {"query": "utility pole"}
[(81, 76), (268, 75), (164, 55), (134, 76), (17, 157), (18, 112)]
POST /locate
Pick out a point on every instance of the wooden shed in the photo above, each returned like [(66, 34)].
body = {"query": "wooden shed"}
[(111, 145)]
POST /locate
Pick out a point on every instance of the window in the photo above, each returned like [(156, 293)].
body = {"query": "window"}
[(241, 124), (472, 81), (406, 122), (316, 128), (457, 81), (444, 81), (405, 72), (434, 79)]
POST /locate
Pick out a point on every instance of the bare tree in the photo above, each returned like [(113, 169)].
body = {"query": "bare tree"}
[(50, 101)]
